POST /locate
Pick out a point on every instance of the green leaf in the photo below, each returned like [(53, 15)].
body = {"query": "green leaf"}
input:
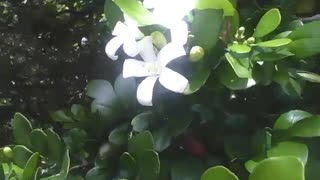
[(128, 165), (268, 23), (55, 146), (149, 165), (136, 11), (250, 165), (63, 173), (229, 78), (261, 142), (142, 121), (237, 146), (119, 135), (281, 35), (304, 48), (178, 125), (187, 169), (308, 127), (218, 172), (112, 13), (284, 168), (288, 148), (197, 80), (274, 43), (75, 139), (102, 91), (309, 30), (61, 116), (21, 129), (162, 139), (292, 87), (139, 143), (239, 69), (227, 7), (30, 169), (272, 56), (206, 37), (39, 141), (97, 173), (287, 120), (21, 155), (80, 112), (239, 48), (308, 76), (125, 89)]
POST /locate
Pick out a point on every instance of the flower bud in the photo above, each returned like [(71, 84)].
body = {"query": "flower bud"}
[(251, 40), (241, 30), (196, 53), (7, 151), (158, 39)]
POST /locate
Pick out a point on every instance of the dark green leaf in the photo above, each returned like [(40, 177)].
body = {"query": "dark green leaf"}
[(218, 172), (128, 165), (75, 139), (237, 146), (178, 125), (268, 23), (239, 69), (162, 139), (287, 120), (139, 143), (142, 121), (102, 91), (55, 146), (119, 135), (30, 169), (80, 112), (61, 116), (125, 89), (21, 155), (39, 141), (112, 13), (21, 129), (272, 56), (304, 48), (309, 30), (187, 169), (149, 165), (98, 174), (63, 173)]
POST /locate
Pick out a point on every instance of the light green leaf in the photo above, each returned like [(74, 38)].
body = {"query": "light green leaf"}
[(206, 37), (274, 43), (288, 148), (308, 127), (227, 7), (278, 168), (306, 47), (142, 121), (309, 76), (30, 169), (119, 135), (139, 143), (136, 11), (239, 48), (281, 35), (268, 23), (287, 120), (218, 172), (149, 165), (310, 30), (239, 69), (21, 129)]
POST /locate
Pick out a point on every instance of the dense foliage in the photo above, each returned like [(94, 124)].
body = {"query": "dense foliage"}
[(224, 89)]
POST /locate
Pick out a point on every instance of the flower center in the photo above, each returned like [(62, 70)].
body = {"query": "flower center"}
[(153, 67)]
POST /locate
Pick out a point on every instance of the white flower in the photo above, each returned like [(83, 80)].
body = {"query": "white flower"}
[(168, 12), (153, 66), (126, 34)]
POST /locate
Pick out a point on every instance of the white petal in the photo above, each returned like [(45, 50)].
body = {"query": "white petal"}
[(131, 47), (146, 49), (173, 80), (179, 33), (145, 91), (170, 52), (149, 4), (134, 68), (120, 29), (112, 46)]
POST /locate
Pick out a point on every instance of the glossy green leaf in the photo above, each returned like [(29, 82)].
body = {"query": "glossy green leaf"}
[(97, 173), (112, 13), (21, 155), (119, 135), (239, 48), (227, 7), (239, 69), (162, 139), (309, 76), (206, 37), (308, 127), (55, 146), (268, 23), (21, 129), (288, 148), (63, 173), (139, 143), (149, 165), (197, 80), (287, 120), (218, 172), (136, 11), (306, 47), (284, 168), (125, 89), (39, 141), (128, 165), (274, 43), (30, 169), (187, 169), (142, 121), (309, 30)]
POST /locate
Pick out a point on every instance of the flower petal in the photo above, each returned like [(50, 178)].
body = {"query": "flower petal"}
[(131, 47), (112, 46), (146, 49), (149, 4), (134, 68), (173, 80), (179, 33), (145, 91), (170, 52), (120, 29)]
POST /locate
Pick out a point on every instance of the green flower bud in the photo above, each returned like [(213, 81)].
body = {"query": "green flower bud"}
[(7, 151), (251, 40), (158, 39), (196, 53), (235, 42)]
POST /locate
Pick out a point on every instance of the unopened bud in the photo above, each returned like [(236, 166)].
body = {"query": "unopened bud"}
[(7, 151), (158, 39), (235, 42), (241, 30), (251, 40), (196, 53), (240, 33)]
